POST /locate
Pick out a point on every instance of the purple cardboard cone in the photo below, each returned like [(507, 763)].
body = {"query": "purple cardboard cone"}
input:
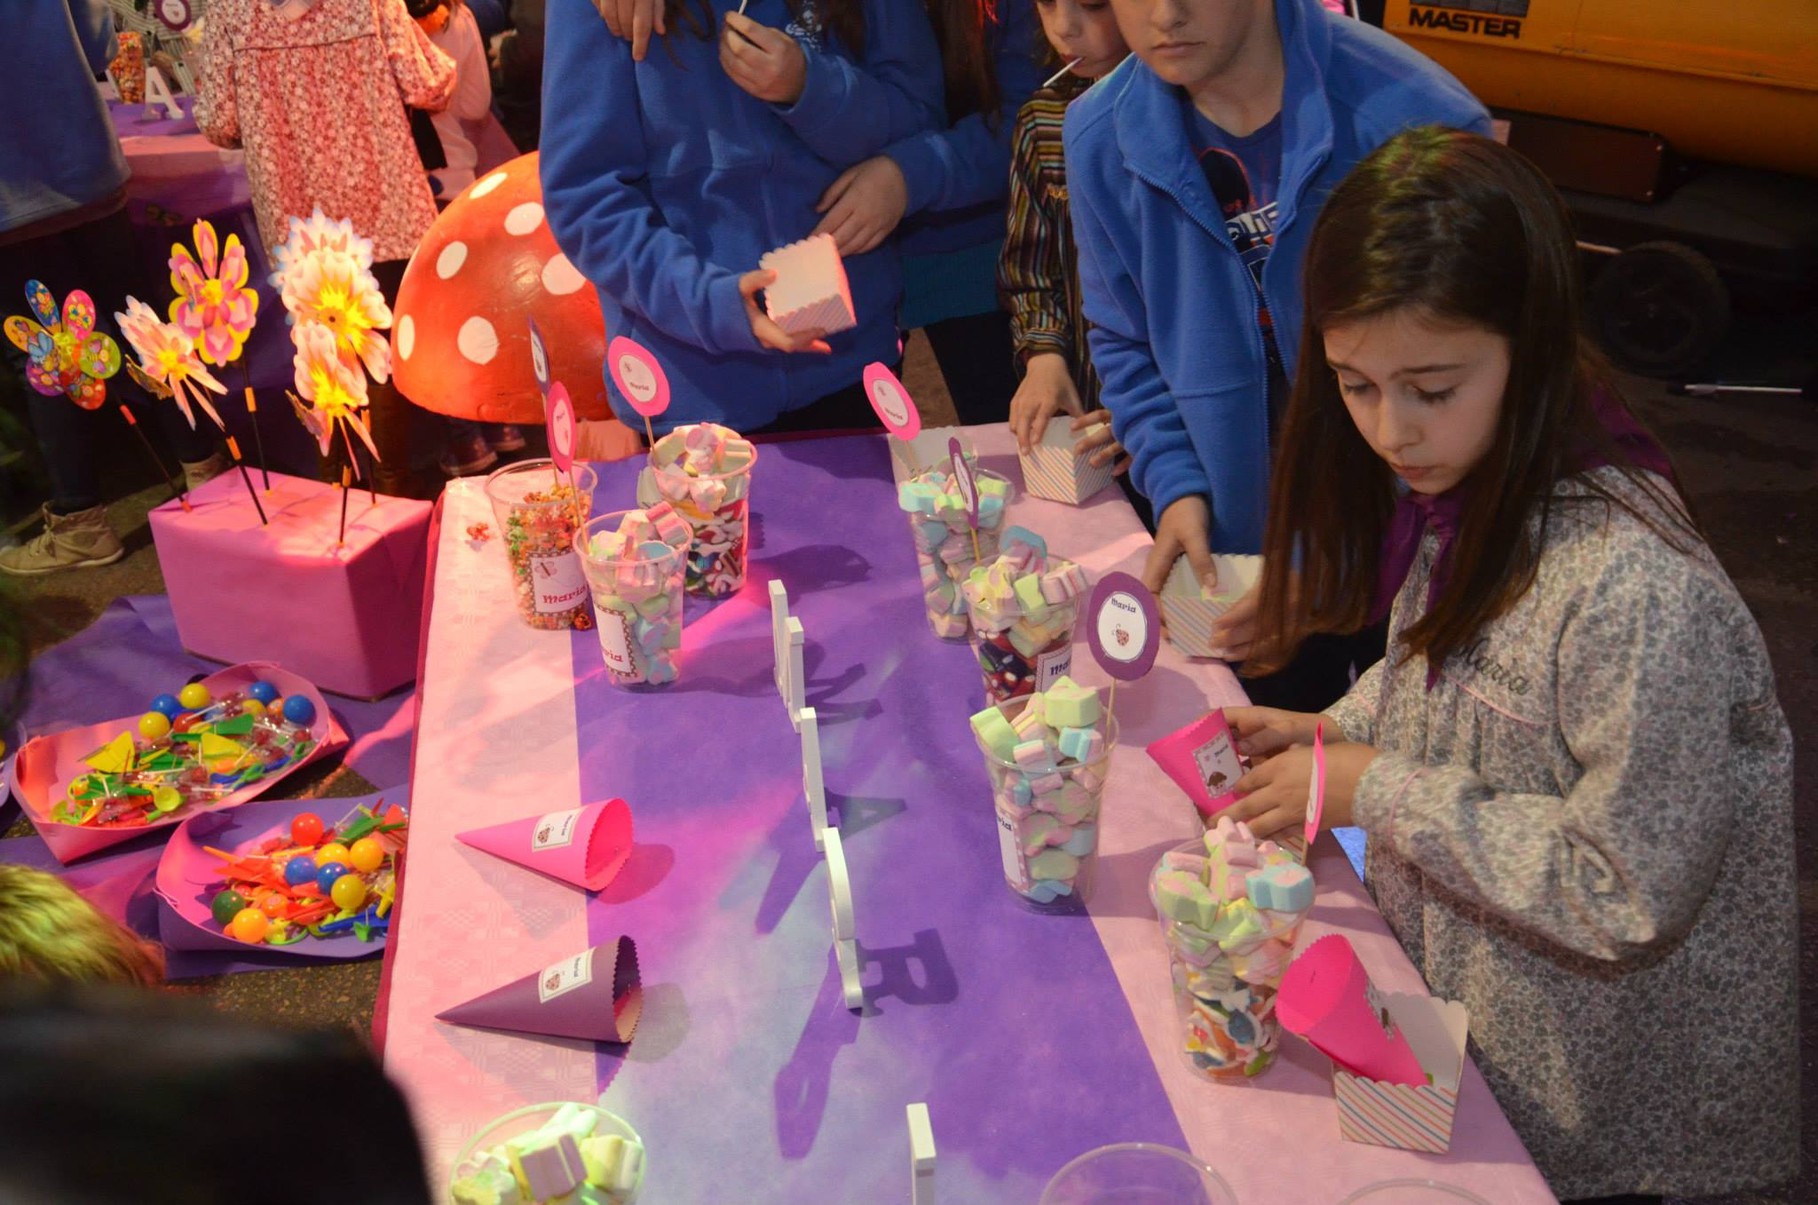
[(594, 995)]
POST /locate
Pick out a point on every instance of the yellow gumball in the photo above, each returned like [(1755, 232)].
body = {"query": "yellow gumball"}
[(334, 851), (194, 697), (252, 707), (348, 893), (153, 724), (250, 925), (366, 855)]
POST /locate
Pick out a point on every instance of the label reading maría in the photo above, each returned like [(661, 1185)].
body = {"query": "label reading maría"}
[(554, 830), (1014, 870), (565, 976), (615, 642), (1219, 768), (1052, 666), (558, 582)]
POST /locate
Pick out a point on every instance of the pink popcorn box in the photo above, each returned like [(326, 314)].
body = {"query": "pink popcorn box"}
[(1189, 612), (345, 616), (1402, 1116), (810, 292), (1052, 470)]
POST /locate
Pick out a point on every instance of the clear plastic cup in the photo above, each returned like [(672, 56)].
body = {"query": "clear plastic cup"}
[(718, 508), (532, 1117), (538, 514), (944, 555), (1412, 1192), (637, 606), (1224, 998), (1009, 666), (1047, 825), (1137, 1173)]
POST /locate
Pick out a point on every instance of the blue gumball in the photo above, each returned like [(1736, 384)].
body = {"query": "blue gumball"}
[(168, 705), (300, 870), (327, 873), (263, 691), (299, 710)]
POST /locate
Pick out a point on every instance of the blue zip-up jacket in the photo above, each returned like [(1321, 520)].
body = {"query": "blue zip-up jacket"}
[(1173, 310), (959, 177), (664, 182), (58, 150)]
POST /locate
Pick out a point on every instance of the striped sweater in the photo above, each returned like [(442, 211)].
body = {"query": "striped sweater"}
[(1038, 273)]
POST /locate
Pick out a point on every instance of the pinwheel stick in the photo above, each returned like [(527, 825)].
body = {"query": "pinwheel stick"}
[(346, 479), (176, 487), (353, 461), (252, 412), (233, 450)]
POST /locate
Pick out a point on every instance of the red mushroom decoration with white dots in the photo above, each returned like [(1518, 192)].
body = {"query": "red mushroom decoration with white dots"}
[(460, 335)]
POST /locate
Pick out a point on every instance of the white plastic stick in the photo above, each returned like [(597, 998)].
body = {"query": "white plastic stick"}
[(845, 944), (793, 698), (813, 788), (1049, 82), (779, 634), (921, 1155)]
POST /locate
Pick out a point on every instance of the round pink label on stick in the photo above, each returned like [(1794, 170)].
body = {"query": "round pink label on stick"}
[(895, 408), (638, 375)]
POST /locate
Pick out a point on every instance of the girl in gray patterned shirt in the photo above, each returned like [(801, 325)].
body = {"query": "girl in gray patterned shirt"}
[(1574, 773)]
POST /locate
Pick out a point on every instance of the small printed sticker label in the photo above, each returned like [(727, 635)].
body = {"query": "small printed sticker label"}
[(1219, 768), (1014, 869), (558, 582), (565, 976), (554, 830), (1052, 666), (615, 642)]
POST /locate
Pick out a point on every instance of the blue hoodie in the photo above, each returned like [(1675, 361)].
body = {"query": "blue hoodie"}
[(665, 182), (1174, 332), (58, 150)]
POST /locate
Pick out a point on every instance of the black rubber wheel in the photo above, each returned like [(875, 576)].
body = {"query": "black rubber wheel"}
[(1659, 309)]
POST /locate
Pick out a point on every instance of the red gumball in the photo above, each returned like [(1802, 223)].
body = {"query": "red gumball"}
[(306, 829)]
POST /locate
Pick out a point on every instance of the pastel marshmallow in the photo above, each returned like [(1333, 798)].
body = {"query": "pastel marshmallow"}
[(1070, 705), (995, 733), (1284, 887), (549, 1169), (1182, 897)]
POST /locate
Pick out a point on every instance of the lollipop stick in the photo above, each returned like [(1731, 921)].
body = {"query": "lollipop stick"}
[(341, 536), (234, 450), (1111, 704), (252, 412), (649, 435), (1049, 82), (176, 490)]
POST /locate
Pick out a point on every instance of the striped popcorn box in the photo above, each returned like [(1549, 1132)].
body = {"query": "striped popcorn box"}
[(1052, 470), (810, 293), (1398, 1115), (1189, 611)]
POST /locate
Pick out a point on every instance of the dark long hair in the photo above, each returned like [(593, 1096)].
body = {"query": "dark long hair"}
[(962, 30), (1458, 229), (844, 19)]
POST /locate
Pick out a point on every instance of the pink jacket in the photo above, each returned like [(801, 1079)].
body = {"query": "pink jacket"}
[(317, 100)]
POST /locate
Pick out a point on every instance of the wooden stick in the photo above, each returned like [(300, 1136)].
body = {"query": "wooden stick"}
[(649, 435), (1111, 705), (252, 412), (976, 555), (341, 536), (234, 450), (176, 489)]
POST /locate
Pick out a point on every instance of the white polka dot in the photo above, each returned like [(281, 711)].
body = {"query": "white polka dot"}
[(524, 218), (451, 259), (407, 336), (487, 185), (478, 341), (560, 277)]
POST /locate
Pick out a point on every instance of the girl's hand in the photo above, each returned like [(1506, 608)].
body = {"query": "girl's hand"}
[(1273, 795), (764, 329), (1233, 632), (1047, 389), (765, 62), (632, 21), (1262, 732), (1101, 447), (1182, 528), (863, 205)]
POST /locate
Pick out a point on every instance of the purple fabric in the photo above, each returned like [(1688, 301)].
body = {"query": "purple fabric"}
[(727, 898)]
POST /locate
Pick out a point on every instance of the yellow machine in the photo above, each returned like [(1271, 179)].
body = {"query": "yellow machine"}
[(1731, 81)]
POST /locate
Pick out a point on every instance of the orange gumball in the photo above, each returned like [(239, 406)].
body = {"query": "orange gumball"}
[(250, 925), (273, 904), (225, 765)]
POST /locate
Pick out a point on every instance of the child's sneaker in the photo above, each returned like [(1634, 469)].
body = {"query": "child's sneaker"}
[(467, 455), (81, 540), (505, 437)]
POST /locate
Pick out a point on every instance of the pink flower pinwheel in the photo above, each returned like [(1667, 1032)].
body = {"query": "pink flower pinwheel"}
[(335, 389), (168, 357), (213, 306), (318, 233), (68, 356), (330, 289)]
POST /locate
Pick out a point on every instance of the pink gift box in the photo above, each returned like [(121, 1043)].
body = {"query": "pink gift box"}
[(346, 616)]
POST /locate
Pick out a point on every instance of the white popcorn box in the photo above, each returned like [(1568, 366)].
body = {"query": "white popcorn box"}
[(810, 293), (1397, 1115), (1189, 611), (1052, 470)]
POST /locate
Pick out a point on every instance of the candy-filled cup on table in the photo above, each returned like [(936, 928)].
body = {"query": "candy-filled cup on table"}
[(1413, 1192), (633, 561), (1230, 908), (943, 539), (1022, 606), (1137, 1171), (538, 514), (704, 471), (1048, 755), (565, 1150)]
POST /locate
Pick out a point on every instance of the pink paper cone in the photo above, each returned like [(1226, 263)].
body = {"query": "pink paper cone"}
[(1326, 997), (44, 767), (596, 996), (586, 846)]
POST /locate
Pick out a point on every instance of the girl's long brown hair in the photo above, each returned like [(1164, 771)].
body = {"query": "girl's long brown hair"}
[(961, 30), (1459, 229)]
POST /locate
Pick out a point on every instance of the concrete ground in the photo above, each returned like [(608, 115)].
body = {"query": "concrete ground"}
[(1750, 464)]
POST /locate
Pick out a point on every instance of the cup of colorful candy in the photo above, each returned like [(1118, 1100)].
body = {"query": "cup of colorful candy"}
[(633, 560), (1230, 908), (566, 1152), (1022, 606), (1047, 755), (704, 471), (944, 549), (539, 513)]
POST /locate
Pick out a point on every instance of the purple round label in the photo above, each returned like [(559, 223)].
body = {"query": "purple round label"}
[(539, 358), (962, 478), (1123, 626)]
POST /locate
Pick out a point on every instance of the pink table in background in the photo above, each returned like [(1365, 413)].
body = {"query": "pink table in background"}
[(1032, 1038)]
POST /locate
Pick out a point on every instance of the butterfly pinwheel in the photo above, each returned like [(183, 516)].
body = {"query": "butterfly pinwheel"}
[(68, 356)]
